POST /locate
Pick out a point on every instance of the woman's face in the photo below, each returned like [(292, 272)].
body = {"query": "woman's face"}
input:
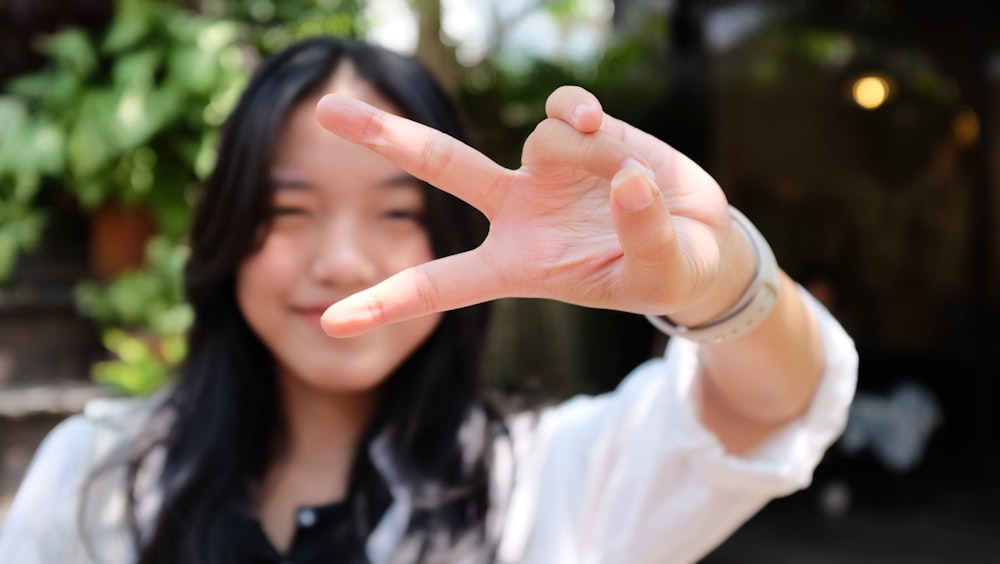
[(344, 218)]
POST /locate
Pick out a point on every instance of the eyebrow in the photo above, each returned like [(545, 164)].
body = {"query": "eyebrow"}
[(400, 181), (285, 183)]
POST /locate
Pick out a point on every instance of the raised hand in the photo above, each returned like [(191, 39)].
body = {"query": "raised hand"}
[(599, 214)]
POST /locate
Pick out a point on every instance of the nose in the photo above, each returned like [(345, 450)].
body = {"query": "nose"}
[(341, 257)]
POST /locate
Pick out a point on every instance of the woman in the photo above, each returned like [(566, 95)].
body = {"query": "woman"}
[(281, 443)]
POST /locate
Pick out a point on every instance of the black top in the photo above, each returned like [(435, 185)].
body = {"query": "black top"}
[(323, 534)]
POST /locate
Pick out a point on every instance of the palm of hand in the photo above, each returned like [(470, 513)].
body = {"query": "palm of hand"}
[(554, 230)]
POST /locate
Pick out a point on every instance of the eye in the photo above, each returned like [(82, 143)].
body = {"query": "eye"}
[(288, 211), (404, 214), (285, 217)]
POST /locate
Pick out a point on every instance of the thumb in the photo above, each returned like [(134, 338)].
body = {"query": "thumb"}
[(642, 220), (658, 262)]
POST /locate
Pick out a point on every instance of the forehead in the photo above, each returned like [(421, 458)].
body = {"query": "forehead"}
[(305, 146)]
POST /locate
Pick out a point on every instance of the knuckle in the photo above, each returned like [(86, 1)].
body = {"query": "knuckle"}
[(376, 310), (427, 292), (599, 154), (651, 245), (543, 141), (435, 156), (371, 133)]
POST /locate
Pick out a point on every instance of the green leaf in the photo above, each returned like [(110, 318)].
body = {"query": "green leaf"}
[(173, 349), (48, 149), (133, 126), (91, 192), (89, 149), (175, 320), (26, 184), (137, 69), (71, 49), (20, 231), (8, 257), (133, 22), (207, 151), (165, 108), (25, 230), (139, 379), (32, 86), (91, 144), (182, 28), (564, 9), (30, 143), (150, 299), (128, 348), (217, 36), (14, 123), (193, 69), (62, 97)]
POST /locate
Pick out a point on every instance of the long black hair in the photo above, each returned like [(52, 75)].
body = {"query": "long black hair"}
[(227, 418)]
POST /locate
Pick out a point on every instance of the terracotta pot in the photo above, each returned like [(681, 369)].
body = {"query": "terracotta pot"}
[(118, 237)]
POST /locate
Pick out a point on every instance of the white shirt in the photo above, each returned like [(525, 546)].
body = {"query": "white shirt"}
[(632, 476)]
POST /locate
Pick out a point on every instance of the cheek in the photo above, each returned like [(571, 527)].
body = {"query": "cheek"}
[(402, 254), (408, 336), (267, 274)]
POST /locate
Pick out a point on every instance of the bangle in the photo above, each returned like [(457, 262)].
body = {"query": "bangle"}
[(754, 304)]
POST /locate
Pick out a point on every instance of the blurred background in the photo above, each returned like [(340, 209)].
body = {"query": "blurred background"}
[(861, 136)]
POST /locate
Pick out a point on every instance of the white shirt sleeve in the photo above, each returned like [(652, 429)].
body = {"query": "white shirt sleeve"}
[(45, 524), (634, 476), (42, 522)]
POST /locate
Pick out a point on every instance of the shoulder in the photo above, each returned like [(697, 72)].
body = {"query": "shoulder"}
[(107, 429), (43, 524), (126, 417), (83, 441)]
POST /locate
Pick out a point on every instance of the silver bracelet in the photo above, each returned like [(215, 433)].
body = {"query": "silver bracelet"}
[(754, 304)]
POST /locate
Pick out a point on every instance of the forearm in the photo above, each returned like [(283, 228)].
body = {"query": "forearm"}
[(751, 385)]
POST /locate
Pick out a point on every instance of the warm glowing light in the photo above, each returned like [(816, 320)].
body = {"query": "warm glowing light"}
[(870, 91), (966, 128)]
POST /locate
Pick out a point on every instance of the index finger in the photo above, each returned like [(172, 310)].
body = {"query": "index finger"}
[(428, 154), (443, 284)]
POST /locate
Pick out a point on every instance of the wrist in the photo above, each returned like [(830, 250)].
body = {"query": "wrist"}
[(738, 301), (736, 272)]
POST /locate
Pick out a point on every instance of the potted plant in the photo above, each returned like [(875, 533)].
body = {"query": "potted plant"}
[(125, 120)]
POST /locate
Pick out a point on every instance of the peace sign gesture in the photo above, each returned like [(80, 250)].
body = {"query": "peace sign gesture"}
[(599, 214)]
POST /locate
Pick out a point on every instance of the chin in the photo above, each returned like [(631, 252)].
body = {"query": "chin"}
[(351, 380)]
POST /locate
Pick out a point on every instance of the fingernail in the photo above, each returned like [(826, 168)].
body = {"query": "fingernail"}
[(633, 189), (344, 318), (631, 163), (586, 118)]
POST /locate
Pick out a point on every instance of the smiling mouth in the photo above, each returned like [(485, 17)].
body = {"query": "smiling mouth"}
[(312, 315)]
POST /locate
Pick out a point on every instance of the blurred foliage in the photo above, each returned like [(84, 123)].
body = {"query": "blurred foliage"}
[(128, 114), (271, 25), (146, 319), (141, 365), (150, 299), (504, 102), (143, 318)]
